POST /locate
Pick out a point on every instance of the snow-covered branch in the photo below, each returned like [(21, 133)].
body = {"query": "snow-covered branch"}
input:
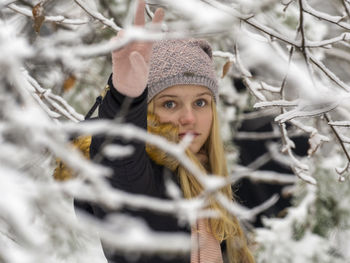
[(56, 19), (98, 16), (338, 20)]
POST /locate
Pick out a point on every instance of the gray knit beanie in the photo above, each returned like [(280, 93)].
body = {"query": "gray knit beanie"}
[(176, 62)]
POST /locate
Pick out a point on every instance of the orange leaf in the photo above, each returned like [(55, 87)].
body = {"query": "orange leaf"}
[(226, 68), (69, 83), (38, 14)]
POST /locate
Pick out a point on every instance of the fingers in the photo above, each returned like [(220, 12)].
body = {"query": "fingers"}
[(140, 13), (158, 16)]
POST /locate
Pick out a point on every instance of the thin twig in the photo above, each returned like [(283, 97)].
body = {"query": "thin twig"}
[(328, 42), (98, 16), (271, 32), (297, 167), (347, 8), (256, 136), (301, 28), (291, 51), (287, 5), (58, 104), (56, 19), (337, 20), (303, 40), (338, 136), (329, 73)]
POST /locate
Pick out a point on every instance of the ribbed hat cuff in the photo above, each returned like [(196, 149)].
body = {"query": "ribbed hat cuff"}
[(155, 88)]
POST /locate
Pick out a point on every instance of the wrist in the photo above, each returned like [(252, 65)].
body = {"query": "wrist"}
[(120, 96)]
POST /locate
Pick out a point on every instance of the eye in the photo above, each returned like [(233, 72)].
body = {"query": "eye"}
[(200, 103), (169, 104)]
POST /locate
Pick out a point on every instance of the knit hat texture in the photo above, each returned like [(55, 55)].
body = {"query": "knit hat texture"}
[(177, 62)]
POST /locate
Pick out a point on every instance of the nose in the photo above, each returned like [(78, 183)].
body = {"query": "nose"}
[(187, 116)]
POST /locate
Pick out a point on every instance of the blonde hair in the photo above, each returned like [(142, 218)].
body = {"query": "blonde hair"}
[(226, 227)]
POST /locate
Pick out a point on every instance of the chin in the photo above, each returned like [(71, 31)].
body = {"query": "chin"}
[(194, 149)]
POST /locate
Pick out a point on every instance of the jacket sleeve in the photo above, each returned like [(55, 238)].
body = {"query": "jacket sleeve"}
[(134, 173)]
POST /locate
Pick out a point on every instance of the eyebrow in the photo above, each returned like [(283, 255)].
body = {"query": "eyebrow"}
[(166, 95), (204, 93), (175, 96)]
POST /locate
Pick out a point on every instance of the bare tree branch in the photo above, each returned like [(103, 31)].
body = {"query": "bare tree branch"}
[(57, 19), (337, 136), (323, 16), (98, 16)]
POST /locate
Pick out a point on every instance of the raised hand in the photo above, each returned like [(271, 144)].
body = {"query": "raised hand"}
[(131, 63)]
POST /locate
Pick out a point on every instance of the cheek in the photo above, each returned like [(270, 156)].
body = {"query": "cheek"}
[(208, 125), (206, 122), (165, 117)]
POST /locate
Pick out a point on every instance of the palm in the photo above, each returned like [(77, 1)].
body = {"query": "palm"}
[(129, 76)]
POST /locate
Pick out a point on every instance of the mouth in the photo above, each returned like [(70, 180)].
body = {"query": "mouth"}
[(183, 134)]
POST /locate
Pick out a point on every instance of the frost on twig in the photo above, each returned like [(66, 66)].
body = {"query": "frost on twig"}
[(343, 172), (340, 123), (59, 107), (98, 16), (309, 109), (338, 20), (57, 19), (315, 141), (329, 73), (304, 108), (251, 85), (276, 103), (242, 212)]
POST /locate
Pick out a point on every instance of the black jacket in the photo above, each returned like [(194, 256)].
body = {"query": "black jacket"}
[(136, 173)]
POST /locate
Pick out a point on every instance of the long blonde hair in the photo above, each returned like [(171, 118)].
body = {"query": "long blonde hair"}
[(226, 227)]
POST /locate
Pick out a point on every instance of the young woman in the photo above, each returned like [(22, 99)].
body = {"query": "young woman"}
[(172, 83)]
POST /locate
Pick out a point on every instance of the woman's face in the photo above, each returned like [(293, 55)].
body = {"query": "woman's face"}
[(189, 108)]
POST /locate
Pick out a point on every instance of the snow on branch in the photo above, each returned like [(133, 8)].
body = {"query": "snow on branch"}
[(255, 136), (131, 132), (211, 184), (346, 7), (136, 237), (329, 73), (98, 16), (242, 212), (276, 103), (57, 19), (217, 16), (131, 34), (340, 123), (338, 20), (58, 104), (328, 42), (271, 32), (306, 109), (260, 176)]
